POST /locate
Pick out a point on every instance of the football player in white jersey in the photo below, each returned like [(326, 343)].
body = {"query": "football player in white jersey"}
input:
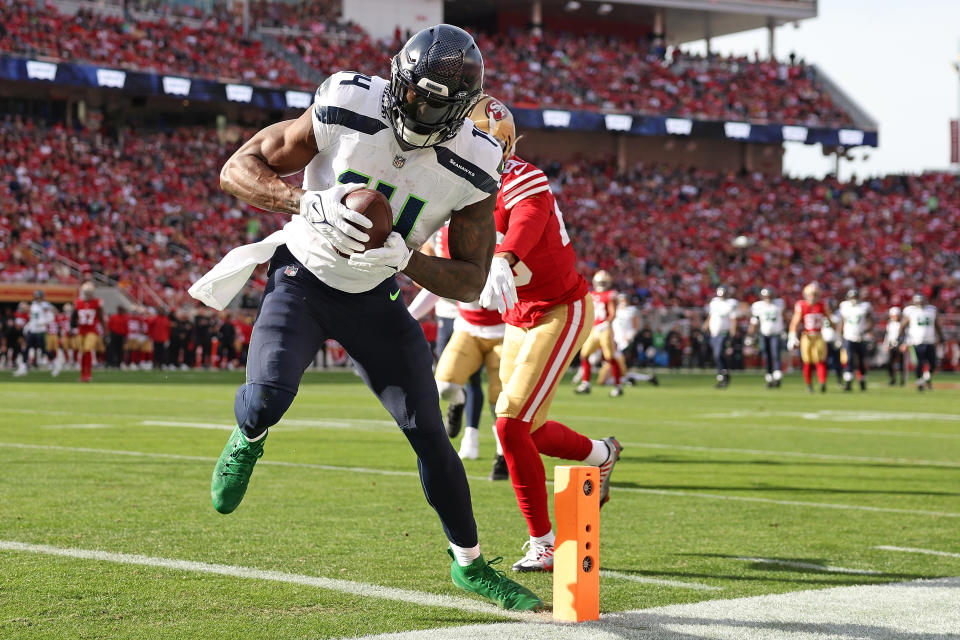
[(721, 324), (409, 138), (766, 317), (856, 321), (896, 362), (922, 329), (42, 315)]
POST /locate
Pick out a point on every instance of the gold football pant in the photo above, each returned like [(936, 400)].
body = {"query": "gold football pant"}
[(464, 354), (812, 348), (535, 358), (601, 337)]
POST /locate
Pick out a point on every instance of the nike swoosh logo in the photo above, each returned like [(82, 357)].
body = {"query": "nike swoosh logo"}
[(395, 294)]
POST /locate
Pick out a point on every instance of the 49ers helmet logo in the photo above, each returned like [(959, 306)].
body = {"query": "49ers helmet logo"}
[(496, 110)]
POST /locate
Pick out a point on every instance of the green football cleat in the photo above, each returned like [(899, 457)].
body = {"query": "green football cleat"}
[(232, 473), (481, 578)]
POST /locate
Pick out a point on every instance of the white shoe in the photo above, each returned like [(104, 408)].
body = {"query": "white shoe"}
[(606, 469), (469, 444), (578, 376), (539, 557), (584, 387), (57, 367), (616, 392), (20, 371)]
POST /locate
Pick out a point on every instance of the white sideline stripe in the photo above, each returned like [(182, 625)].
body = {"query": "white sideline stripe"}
[(793, 454), (810, 565), (412, 474), (696, 586), (365, 589), (929, 552)]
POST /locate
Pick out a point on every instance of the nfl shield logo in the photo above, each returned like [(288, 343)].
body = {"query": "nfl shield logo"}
[(399, 161), (291, 271)]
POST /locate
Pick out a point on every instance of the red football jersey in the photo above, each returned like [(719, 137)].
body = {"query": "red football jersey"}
[(530, 226), (88, 315), (20, 319), (811, 315), (602, 301), (64, 328)]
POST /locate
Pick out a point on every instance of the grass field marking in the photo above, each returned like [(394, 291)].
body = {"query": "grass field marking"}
[(413, 474), (364, 589), (795, 503), (91, 425), (190, 425), (810, 565), (839, 415), (793, 454), (696, 586), (929, 552)]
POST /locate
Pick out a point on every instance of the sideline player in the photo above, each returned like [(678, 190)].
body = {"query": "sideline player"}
[(544, 330), (601, 335), (87, 318), (406, 138), (766, 317), (922, 328), (721, 323), (810, 313), (896, 359), (856, 321), (836, 359), (42, 315)]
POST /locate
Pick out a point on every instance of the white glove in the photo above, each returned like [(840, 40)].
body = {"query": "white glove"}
[(838, 344), (793, 342), (392, 257), (332, 219), (500, 291)]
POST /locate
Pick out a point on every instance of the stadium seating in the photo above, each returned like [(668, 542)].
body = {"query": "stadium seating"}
[(148, 212), (556, 70)]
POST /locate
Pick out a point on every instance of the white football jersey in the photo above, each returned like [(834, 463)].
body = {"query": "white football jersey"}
[(922, 321), (892, 337), (42, 313), (623, 329), (769, 315), (854, 317), (356, 143), (721, 311), (829, 329)]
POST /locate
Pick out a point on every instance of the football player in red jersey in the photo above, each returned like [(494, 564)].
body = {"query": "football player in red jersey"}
[(88, 317), (545, 327), (810, 312), (601, 336)]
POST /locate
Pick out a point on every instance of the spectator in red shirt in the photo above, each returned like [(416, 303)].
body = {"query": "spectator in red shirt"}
[(160, 335), (118, 328)]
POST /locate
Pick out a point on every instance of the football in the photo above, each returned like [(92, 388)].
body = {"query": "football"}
[(375, 206)]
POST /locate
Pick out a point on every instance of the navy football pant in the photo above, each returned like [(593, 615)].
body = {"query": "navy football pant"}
[(297, 314), (926, 355), (474, 388), (771, 351), (856, 350), (719, 346)]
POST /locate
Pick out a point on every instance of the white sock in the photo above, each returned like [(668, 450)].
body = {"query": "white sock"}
[(777, 374), (598, 455), (926, 376), (496, 438), (471, 437), (546, 540), (259, 437), (847, 376), (768, 377), (465, 555)]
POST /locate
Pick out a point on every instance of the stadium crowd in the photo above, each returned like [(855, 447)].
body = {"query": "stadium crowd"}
[(146, 211), (552, 70)]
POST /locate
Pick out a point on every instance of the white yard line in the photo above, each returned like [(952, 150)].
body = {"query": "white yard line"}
[(365, 589), (91, 425), (929, 552), (387, 472), (810, 565), (696, 586), (900, 611), (190, 425), (793, 454)]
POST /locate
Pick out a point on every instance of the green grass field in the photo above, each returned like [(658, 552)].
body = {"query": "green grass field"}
[(719, 494)]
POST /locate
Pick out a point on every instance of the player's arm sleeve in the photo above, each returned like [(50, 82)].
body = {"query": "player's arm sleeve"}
[(325, 129), (527, 220)]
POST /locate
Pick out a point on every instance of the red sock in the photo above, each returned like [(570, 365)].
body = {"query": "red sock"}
[(585, 369), (822, 372), (526, 473), (806, 373), (560, 441), (615, 371), (86, 365)]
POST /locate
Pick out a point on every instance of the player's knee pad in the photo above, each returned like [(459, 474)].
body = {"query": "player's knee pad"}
[(451, 392), (258, 407)]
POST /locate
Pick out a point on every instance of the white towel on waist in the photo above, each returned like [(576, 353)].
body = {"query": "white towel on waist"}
[(221, 284)]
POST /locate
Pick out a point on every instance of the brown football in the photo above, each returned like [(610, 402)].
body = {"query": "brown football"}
[(376, 208)]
